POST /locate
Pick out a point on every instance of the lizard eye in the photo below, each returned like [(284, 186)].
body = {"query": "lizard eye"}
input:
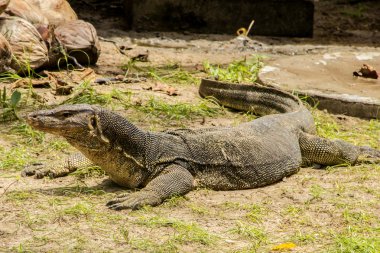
[(65, 114)]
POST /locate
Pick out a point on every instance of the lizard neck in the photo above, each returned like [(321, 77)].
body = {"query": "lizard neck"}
[(122, 134)]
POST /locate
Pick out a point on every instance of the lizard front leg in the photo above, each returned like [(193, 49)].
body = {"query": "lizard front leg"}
[(58, 169), (173, 180)]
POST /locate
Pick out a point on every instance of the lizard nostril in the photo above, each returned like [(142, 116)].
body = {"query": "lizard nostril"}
[(32, 117)]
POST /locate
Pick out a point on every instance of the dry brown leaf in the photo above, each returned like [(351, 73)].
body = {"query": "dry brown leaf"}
[(80, 40), (5, 54), (56, 12), (171, 91), (28, 47), (3, 5), (159, 87), (27, 11), (36, 83), (367, 71)]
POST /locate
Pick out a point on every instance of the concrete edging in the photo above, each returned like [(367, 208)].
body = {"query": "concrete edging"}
[(351, 105)]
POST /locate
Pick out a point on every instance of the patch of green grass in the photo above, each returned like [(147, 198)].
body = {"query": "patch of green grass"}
[(86, 94), (304, 238), (20, 196), (179, 111), (316, 193), (15, 158), (147, 245), (231, 205), (356, 244), (9, 77), (254, 233), (59, 145), (76, 191), (185, 232), (326, 126), (250, 232), (246, 70), (356, 217), (363, 133), (31, 136), (170, 73), (21, 248), (293, 210), (91, 171), (255, 212), (372, 129), (9, 106), (78, 210), (175, 201), (199, 209), (177, 76)]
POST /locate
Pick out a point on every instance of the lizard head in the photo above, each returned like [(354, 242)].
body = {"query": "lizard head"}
[(70, 121)]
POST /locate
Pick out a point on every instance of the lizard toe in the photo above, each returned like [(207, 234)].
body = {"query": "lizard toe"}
[(122, 195), (115, 201), (31, 169), (40, 173), (134, 201), (117, 207)]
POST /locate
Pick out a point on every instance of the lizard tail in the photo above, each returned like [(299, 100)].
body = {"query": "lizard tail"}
[(254, 98)]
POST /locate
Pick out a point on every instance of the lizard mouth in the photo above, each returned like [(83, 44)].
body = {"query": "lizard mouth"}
[(36, 122)]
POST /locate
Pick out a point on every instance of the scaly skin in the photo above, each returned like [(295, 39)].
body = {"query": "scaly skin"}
[(164, 164)]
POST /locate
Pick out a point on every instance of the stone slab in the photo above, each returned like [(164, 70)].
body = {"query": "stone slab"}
[(326, 80), (292, 18)]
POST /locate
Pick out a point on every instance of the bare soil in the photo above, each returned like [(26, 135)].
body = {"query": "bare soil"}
[(317, 210)]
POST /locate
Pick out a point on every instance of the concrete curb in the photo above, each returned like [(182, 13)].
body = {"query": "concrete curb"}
[(351, 105)]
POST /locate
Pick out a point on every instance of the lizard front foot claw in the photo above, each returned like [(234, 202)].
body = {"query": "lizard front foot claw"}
[(37, 169), (134, 200)]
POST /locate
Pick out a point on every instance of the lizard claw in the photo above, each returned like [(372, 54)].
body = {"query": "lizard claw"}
[(119, 198), (36, 169), (134, 200)]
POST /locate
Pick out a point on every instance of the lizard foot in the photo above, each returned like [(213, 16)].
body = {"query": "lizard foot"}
[(369, 152), (38, 170), (134, 200)]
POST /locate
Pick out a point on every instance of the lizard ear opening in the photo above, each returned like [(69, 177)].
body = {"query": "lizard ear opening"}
[(96, 129), (93, 123)]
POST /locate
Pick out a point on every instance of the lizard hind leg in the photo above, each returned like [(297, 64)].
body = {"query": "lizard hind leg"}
[(318, 150)]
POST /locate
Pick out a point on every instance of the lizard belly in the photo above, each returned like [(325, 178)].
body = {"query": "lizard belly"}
[(121, 169)]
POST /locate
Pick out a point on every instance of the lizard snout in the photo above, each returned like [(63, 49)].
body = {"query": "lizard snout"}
[(32, 119)]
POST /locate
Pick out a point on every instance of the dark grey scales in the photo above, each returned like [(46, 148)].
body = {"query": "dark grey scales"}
[(169, 163)]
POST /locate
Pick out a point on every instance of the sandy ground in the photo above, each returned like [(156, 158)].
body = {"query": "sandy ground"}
[(328, 210)]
